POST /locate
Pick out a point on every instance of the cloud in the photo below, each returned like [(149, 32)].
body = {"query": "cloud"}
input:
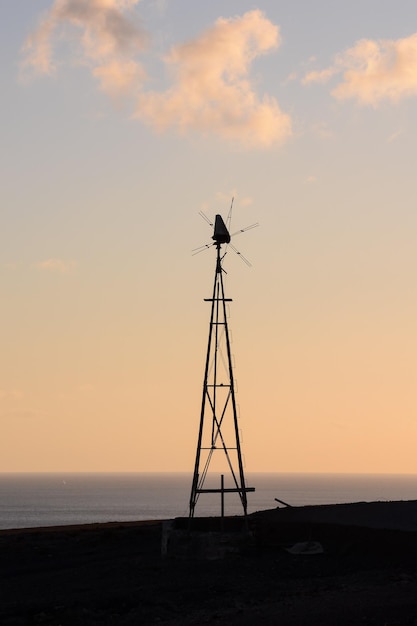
[(321, 129), (374, 70), (212, 92), (107, 37), (24, 414), (14, 394), (86, 388), (160, 6), (321, 76), (57, 265), (395, 136), (224, 198), (291, 77), (119, 78)]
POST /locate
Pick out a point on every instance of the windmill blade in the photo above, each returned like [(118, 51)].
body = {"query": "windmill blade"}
[(229, 215), (243, 230), (244, 259), (207, 219), (206, 246)]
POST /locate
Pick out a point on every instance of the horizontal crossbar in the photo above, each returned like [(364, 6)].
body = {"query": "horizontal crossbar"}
[(232, 490)]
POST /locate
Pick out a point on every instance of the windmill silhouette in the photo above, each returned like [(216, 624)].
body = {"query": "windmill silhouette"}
[(218, 443)]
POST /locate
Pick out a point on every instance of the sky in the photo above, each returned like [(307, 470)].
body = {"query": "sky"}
[(121, 121)]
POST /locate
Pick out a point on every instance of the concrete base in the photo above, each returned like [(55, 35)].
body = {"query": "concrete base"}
[(199, 540)]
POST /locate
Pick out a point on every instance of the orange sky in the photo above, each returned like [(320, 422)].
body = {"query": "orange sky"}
[(115, 139)]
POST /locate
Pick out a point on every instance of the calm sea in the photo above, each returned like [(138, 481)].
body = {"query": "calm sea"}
[(30, 500)]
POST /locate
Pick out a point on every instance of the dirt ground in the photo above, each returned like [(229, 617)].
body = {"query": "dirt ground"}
[(113, 574)]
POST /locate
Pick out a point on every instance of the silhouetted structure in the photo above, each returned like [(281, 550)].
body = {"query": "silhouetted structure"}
[(218, 434)]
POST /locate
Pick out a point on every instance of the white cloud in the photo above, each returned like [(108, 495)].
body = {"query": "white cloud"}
[(373, 71)]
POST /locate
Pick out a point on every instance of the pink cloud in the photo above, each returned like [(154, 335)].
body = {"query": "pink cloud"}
[(379, 70), (119, 78), (103, 30), (212, 91), (322, 76), (57, 265), (373, 71)]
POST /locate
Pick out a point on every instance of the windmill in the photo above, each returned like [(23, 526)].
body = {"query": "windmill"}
[(218, 443)]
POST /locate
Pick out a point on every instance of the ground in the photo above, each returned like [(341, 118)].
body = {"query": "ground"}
[(113, 574)]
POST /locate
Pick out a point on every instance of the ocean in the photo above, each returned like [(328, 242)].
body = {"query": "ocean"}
[(33, 500)]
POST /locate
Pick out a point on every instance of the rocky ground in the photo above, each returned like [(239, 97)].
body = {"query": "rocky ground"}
[(113, 574)]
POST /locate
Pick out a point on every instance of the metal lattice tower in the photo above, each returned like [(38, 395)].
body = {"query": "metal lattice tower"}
[(218, 445)]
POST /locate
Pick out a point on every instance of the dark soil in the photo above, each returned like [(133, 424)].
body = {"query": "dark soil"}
[(113, 574)]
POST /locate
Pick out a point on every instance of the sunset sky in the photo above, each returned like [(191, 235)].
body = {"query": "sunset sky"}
[(121, 120)]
